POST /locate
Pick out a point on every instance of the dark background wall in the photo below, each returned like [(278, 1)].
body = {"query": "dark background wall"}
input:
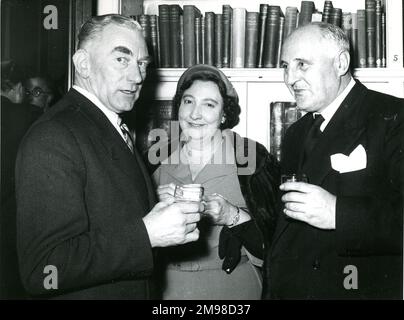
[(25, 39)]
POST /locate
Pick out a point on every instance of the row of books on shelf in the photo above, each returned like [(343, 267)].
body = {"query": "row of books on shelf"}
[(182, 36), (160, 113)]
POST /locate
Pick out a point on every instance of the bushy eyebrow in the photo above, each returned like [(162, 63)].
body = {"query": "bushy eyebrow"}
[(123, 50)]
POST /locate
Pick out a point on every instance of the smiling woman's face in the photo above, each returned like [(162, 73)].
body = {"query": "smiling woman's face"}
[(201, 110)]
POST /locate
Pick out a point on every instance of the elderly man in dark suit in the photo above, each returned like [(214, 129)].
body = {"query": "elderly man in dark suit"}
[(86, 219), (341, 232)]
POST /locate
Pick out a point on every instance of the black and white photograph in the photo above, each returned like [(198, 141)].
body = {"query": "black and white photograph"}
[(202, 155)]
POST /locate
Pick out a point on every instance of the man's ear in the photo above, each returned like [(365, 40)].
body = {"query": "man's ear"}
[(81, 60), (342, 63)]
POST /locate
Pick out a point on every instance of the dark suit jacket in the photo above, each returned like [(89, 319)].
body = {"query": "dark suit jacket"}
[(15, 121), (307, 262), (81, 196)]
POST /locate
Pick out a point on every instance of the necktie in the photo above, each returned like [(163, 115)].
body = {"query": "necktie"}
[(313, 135), (127, 136)]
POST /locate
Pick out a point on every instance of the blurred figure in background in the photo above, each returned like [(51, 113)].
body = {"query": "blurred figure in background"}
[(16, 118), (40, 92)]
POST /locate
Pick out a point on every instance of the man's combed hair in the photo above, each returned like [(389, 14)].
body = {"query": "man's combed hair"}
[(93, 27), (333, 33)]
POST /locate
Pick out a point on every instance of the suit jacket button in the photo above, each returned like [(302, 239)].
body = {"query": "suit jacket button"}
[(316, 264)]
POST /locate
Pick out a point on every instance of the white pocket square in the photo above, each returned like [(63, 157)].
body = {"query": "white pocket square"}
[(355, 161)]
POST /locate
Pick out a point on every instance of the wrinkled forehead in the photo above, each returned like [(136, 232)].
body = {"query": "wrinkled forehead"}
[(307, 42), (115, 36)]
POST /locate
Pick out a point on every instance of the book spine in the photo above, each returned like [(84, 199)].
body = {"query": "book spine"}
[(164, 28), (280, 41), (276, 128), (263, 16), (370, 8), (306, 12), (175, 45), (362, 54), (144, 21), (354, 40), (336, 17), (378, 30), (203, 39), (327, 11), (154, 40), (218, 40), (384, 55), (198, 41), (209, 38), (227, 13), (251, 40), (238, 38), (190, 13), (290, 21), (182, 40), (271, 39)]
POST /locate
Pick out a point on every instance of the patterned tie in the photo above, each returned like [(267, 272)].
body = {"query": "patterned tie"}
[(313, 135), (127, 135)]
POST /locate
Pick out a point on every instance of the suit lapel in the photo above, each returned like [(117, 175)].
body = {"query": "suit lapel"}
[(106, 133), (340, 136)]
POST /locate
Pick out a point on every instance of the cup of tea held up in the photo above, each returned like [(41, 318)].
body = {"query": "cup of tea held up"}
[(189, 193)]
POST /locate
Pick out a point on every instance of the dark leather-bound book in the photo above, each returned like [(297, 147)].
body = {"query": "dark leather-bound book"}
[(164, 28), (354, 40), (327, 11), (182, 39), (384, 53), (361, 49), (144, 21), (282, 116), (198, 40), (280, 40), (209, 38), (154, 40), (379, 43), (203, 39), (271, 37), (227, 12), (290, 21), (175, 37), (218, 40), (251, 40), (306, 11), (262, 24), (336, 17), (370, 8), (238, 38), (190, 13)]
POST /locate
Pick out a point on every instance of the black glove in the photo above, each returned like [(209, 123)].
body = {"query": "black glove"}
[(229, 250)]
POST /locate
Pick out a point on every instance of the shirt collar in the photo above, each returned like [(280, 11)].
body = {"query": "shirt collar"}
[(330, 110), (113, 117)]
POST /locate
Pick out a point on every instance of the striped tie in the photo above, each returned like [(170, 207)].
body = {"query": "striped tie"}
[(127, 136)]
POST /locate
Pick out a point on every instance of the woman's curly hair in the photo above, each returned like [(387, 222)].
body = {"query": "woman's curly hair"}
[(231, 108)]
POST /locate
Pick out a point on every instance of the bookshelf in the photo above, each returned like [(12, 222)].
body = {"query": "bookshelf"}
[(258, 87)]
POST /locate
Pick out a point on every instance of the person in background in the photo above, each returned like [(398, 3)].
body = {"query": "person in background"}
[(16, 118), (86, 212), (40, 92), (240, 194), (341, 234)]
